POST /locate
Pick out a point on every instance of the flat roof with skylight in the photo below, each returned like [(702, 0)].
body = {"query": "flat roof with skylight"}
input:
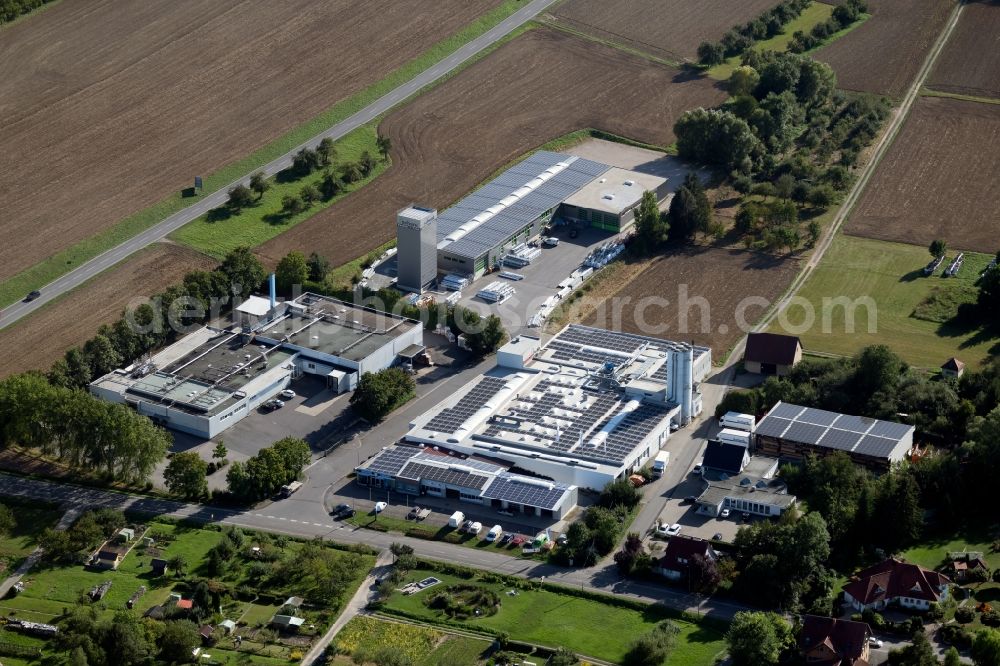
[(616, 191)]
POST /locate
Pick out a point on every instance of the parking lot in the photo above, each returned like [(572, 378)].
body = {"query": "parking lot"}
[(541, 278)]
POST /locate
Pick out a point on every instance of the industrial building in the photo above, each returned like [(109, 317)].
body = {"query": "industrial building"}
[(793, 432), (584, 409), (741, 483), (212, 378), (417, 470), (474, 235)]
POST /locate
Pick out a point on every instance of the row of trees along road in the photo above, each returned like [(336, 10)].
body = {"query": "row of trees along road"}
[(274, 466)]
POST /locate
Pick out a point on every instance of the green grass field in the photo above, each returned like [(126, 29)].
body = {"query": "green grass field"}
[(891, 276), (31, 520), (44, 272), (263, 221), (583, 625)]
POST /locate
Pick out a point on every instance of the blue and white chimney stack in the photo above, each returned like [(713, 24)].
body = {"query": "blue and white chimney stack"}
[(273, 291)]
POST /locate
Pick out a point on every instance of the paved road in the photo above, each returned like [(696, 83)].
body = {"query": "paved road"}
[(102, 262), (311, 520)]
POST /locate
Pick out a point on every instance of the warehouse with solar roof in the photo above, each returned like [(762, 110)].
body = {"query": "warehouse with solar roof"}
[(473, 235)]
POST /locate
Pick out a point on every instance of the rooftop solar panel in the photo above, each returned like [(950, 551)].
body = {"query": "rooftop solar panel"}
[(879, 447), (844, 440), (853, 423), (804, 432), (817, 416), (772, 426), (890, 429), (784, 410), (542, 495)]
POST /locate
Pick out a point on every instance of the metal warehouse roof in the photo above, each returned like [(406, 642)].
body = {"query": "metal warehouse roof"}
[(513, 200), (818, 427)]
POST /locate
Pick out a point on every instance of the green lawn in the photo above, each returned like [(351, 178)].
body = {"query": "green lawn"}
[(44, 272), (457, 649), (31, 520), (931, 553), (263, 221), (814, 14), (891, 276), (584, 625)]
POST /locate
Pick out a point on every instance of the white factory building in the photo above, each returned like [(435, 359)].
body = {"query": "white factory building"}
[(584, 409), (212, 378)]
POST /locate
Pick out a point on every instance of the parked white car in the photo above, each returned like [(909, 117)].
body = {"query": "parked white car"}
[(475, 528), (665, 530), (380, 507), (287, 394), (874, 642), (724, 513)]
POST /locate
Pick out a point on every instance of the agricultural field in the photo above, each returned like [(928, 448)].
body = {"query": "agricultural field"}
[(938, 179), (76, 317), (970, 61), (668, 29), (884, 54), (524, 94), (143, 97), (584, 625), (713, 281), (913, 314)]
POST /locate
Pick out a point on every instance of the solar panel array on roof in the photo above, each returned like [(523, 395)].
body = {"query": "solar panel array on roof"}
[(626, 343), (539, 494), (499, 228), (390, 461), (818, 427), (447, 475), (449, 420)]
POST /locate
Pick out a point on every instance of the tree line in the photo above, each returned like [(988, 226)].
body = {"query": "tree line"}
[(740, 39), (266, 472), (334, 179), (79, 430), (11, 9), (842, 17)]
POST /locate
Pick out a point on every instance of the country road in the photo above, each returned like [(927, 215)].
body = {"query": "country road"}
[(106, 260)]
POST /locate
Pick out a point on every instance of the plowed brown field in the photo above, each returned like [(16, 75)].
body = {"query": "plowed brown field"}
[(539, 86), (698, 294), (884, 54), (938, 179), (671, 29), (35, 342), (970, 61), (108, 106)]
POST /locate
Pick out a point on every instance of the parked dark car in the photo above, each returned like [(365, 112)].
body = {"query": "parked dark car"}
[(342, 511), (32, 296)]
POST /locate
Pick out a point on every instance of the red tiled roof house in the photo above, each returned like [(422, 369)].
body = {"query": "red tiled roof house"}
[(825, 641), (677, 557), (896, 581)]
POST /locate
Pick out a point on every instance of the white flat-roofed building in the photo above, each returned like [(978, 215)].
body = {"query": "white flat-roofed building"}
[(212, 378), (609, 202), (584, 409)]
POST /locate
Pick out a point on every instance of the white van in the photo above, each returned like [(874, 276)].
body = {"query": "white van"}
[(456, 519), (660, 464), (737, 421), (495, 533), (732, 436)]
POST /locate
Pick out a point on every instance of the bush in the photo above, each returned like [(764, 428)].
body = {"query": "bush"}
[(964, 614)]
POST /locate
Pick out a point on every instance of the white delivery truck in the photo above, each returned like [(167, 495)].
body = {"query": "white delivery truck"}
[(737, 421), (660, 464), (456, 519), (732, 436), (287, 490)]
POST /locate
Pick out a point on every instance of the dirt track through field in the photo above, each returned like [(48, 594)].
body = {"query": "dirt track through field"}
[(938, 179), (970, 62), (670, 29), (696, 293), (111, 105), (884, 54), (35, 342), (540, 86)]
